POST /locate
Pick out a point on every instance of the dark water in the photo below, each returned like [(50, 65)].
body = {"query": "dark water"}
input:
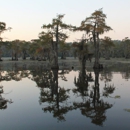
[(35, 98)]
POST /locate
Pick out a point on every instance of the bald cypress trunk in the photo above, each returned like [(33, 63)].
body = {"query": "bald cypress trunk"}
[(54, 55), (96, 45)]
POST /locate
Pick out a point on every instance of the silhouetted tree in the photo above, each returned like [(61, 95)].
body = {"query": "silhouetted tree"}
[(55, 29), (94, 26)]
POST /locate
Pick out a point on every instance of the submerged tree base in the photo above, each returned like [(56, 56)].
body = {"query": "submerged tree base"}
[(54, 67), (98, 66), (63, 58), (14, 59)]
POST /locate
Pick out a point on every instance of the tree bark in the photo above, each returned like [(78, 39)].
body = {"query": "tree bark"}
[(63, 55), (96, 96), (107, 56), (54, 52), (54, 56), (97, 65), (24, 55)]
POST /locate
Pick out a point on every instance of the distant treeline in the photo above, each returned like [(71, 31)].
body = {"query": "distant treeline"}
[(32, 49)]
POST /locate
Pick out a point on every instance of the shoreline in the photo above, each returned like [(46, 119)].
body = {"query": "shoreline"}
[(68, 63)]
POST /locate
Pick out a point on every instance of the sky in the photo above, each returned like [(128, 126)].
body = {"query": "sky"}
[(27, 16)]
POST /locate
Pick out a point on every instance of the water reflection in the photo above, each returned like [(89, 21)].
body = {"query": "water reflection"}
[(53, 95), (126, 73), (91, 106), (107, 77), (81, 83), (3, 101), (123, 69), (87, 95)]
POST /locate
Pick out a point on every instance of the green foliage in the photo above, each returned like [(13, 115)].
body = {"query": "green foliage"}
[(45, 40), (3, 28), (15, 45), (128, 110), (33, 47), (95, 24), (117, 96), (126, 47), (107, 42), (81, 47), (63, 49), (105, 46), (56, 28)]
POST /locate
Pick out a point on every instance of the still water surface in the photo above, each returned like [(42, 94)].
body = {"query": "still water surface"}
[(40, 99)]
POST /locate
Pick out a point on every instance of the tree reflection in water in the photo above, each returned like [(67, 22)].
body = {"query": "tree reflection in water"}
[(126, 72), (52, 94), (3, 101), (91, 106), (54, 98), (107, 77)]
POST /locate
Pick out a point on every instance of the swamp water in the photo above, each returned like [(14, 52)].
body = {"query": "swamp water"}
[(35, 98)]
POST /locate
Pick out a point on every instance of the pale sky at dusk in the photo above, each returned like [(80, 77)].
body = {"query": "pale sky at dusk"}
[(27, 16)]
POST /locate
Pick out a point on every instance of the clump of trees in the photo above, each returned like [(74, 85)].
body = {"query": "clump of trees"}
[(3, 28), (106, 45), (51, 42), (115, 48)]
